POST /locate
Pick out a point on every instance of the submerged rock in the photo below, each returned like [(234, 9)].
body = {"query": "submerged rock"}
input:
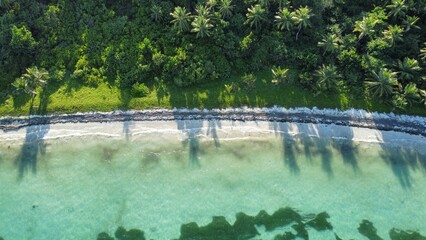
[(189, 230), (280, 218), (219, 228), (367, 229), (285, 236), (397, 234), (132, 234), (320, 222), (102, 236), (301, 231), (244, 226)]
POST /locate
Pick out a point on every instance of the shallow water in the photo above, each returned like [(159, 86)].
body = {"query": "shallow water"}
[(75, 181)]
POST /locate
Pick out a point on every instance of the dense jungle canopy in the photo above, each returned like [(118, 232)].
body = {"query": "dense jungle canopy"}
[(374, 49)]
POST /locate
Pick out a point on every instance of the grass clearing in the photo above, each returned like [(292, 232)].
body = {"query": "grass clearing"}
[(71, 97)]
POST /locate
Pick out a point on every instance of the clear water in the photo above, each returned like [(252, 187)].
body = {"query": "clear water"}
[(75, 181)]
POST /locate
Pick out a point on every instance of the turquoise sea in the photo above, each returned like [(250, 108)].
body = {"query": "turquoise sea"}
[(74, 181)]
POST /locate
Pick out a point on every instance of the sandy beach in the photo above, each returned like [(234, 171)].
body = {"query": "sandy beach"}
[(355, 125)]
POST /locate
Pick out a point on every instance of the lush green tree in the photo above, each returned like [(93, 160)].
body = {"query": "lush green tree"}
[(328, 77), (397, 8), (201, 25), (225, 8), (382, 84), (181, 19), (330, 43), (408, 68), (22, 40), (365, 27), (31, 80), (256, 15), (301, 18), (393, 34), (283, 19)]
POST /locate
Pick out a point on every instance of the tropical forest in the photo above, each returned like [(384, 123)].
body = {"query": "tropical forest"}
[(100, 55)]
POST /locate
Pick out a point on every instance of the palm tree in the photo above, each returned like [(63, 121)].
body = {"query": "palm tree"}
[(301, 17), (225, 8), (5, 4), (365, 27), (423, 96), (423, 52), (203, 11), (180, 19), (328, 76), (381, 84), (283, 19), (330, 43), (31, 80), (397, 7), (411, 93), (410, 22), (408, 68), (283, 4), (201, 25), (399, 101), (393, 34), (279, 75), (265, 3), (256, 16), (156, 13), (211, 3)]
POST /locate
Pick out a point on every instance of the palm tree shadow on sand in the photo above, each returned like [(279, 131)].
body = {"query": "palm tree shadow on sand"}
[(192, 129), (212, 130), (314, 142), (403, 161), (289, 147), (33, 146)]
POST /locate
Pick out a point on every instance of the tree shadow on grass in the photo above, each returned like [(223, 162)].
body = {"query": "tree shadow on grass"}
[(20, 100), (125, 97), (4, 96), (72, 85)]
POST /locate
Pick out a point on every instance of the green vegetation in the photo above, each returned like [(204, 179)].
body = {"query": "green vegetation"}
[(67, 56)]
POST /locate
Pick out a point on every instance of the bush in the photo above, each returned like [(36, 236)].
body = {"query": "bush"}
[(248, 80), (139, 90), (279, 75)]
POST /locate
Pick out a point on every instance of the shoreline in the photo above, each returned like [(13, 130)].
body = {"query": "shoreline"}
[(415, 125)]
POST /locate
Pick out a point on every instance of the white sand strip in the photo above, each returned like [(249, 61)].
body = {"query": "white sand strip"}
[(205, 129)]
